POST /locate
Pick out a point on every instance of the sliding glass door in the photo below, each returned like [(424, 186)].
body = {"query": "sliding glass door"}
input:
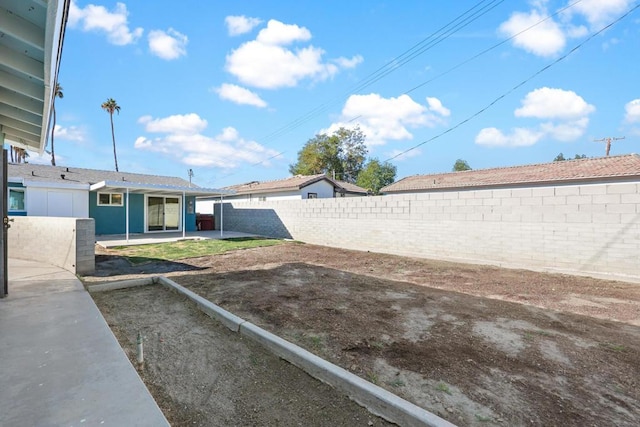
[(163, 213)]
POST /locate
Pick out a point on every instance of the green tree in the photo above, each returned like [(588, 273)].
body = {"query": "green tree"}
[(57, 93), (560, 157), (461, 165), (376, 175), (111, 106), (341, 154)]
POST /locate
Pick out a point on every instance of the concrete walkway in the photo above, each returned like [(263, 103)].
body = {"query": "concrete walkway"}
[(60, 364)]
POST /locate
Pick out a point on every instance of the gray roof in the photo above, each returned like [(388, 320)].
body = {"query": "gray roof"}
[(568, 171), (99, 180), (72, 175)]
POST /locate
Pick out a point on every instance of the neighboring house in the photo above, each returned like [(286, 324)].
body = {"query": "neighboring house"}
[(119, 202), (294, 188), (581, 171)]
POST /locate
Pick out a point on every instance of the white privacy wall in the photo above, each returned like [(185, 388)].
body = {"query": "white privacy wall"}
[(590, 229)]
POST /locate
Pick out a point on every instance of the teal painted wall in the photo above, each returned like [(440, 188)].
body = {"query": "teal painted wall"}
[(112, 219), (190, 218)]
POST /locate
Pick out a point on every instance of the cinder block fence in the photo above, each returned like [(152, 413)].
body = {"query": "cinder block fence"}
[(65, 242), (591, 229)]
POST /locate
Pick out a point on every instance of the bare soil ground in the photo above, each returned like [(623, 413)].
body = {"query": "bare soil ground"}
[(476, 345)]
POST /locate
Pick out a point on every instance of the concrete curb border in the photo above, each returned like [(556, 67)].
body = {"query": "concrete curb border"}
[(376, 399)]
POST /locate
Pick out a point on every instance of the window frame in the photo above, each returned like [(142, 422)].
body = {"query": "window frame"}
[(110, 204), (312, 195), (24, 199)]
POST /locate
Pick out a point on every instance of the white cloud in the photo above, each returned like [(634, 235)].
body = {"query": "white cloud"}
[(240, 95), (266, 63), (537, 33), (349, 62), (566, 112), (98, 19), (168, 45), (600, 12), (383, 119), (71, 133), (550, 103), (567, 131), (182, 139), (436, 106), (280, 34), (632, 109), (545, 39), (183, 124), (237, 25), (519, 137)]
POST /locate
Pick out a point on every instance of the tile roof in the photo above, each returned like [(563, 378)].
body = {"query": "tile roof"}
[(72, 175), (290, 184), (626, 166)]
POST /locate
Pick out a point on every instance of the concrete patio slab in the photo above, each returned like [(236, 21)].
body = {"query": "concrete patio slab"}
[(61, 364)]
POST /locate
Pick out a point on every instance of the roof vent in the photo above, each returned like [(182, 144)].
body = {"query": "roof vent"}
[(62, 175), (67, 169), (33, 173), (123, 178)]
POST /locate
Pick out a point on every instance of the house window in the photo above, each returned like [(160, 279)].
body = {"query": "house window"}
[(262, 198), (16, 200), (312, 195), (109, 199)]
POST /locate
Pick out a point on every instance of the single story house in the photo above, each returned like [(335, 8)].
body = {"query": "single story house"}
[(581, 171), (119, 202), (293, 188)]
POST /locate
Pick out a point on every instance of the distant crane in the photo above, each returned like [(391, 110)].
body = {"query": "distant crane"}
[(608, 140)]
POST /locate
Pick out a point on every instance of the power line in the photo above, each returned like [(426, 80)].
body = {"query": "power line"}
[(499, 98), (495, 46), (467, 17), (435, 38)]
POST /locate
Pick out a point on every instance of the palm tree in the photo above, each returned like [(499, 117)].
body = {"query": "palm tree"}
[(110, 105), (20, 155), (57, 93)]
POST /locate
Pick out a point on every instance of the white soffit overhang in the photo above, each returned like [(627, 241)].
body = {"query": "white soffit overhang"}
[(31, 38)]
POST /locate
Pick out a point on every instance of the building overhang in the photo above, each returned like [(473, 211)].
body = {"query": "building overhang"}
[(133, 187), (31, 39)]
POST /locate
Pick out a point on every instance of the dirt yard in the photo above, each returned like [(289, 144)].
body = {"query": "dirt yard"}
[(476, 345)]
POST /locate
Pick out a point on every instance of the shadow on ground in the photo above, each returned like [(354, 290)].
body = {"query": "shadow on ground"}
[(112, 265)]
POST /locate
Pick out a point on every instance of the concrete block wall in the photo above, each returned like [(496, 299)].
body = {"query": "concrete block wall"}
[(591, 229), (65, 242)]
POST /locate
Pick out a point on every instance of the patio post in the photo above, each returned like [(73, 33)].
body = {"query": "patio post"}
[(127, 217), (184, 211), (221, 216)]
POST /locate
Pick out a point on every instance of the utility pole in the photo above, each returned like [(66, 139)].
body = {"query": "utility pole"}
[(190, 176), (608, 140)]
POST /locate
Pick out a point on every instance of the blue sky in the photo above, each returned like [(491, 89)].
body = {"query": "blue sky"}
[(233, 89)]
